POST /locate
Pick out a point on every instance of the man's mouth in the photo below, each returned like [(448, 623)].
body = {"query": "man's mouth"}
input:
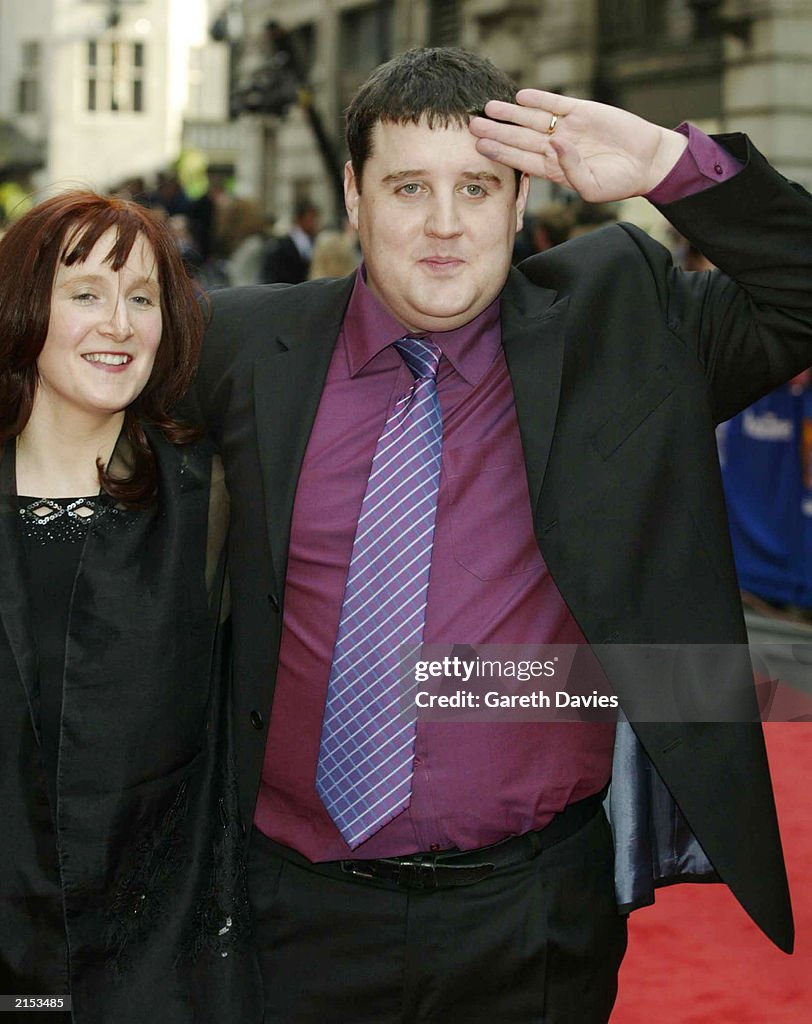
[(442, 261)]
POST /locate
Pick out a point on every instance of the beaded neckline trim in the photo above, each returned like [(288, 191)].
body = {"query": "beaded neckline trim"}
[(59, 519)]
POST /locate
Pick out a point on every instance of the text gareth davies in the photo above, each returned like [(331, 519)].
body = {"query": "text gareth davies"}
[(494, 699)]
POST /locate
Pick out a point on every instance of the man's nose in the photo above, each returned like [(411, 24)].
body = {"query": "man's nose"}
[(443, 219)]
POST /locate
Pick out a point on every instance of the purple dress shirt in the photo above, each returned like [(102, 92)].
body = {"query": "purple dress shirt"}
[(474, 783)]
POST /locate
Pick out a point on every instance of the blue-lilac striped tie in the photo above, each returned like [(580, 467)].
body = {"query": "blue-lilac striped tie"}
[(364, 774)]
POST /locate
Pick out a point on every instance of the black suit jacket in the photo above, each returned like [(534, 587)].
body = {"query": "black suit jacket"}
[(621, 366), (282, 263)]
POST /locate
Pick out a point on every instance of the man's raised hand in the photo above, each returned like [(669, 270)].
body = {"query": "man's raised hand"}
[(602, 152)]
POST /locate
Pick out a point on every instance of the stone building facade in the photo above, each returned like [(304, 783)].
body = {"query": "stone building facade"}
[(101, 87), (724, 64)]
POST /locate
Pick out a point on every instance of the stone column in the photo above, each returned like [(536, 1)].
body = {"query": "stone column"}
[(767, 84)]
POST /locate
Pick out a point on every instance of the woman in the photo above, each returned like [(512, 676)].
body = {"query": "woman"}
[(121, 881)]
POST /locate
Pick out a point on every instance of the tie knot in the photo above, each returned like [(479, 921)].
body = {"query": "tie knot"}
[(420, 355)]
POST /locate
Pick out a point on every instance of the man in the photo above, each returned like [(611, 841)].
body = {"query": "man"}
[(287, 259), (443, 449)]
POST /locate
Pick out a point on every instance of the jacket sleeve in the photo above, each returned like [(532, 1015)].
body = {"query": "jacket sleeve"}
[(750, 322)]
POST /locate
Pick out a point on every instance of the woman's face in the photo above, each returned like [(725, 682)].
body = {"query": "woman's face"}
[(103, 333)]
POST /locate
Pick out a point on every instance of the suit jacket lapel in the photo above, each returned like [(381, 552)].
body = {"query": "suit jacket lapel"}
[(533, 332), (288, 383), (14, 609)]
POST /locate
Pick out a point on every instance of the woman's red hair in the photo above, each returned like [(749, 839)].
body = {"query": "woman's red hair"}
[(64, 229)]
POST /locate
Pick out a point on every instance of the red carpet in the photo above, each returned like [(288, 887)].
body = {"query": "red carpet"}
[(696, 958)]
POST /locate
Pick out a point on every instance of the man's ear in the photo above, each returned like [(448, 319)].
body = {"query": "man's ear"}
[(521, 200), (352, 194)]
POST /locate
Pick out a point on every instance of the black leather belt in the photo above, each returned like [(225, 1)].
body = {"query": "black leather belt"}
[(454, 867)]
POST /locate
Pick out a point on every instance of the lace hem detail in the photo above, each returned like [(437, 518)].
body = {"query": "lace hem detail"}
[(141, 896), (219, 922)]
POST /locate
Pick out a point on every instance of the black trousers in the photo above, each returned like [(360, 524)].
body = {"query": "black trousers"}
[(539, 941)]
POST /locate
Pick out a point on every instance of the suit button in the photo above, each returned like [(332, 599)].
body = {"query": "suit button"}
[(256, 719), (273, 602)]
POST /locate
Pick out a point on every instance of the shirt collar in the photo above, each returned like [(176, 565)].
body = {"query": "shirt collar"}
[(369, 328)]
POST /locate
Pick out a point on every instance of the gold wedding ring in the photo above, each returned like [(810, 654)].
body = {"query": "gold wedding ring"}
[(553, 123)]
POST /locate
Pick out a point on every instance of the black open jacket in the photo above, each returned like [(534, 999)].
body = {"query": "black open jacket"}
[(138, 866)]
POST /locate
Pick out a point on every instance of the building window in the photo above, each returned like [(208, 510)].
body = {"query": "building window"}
[(28, 86), (365, 40), (444, 23), (208, 82), (115, 76), (303, 44), (625, 24), (366, 36)]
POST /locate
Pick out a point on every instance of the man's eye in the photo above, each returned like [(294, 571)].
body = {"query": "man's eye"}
[(475, 191), (410, 189)]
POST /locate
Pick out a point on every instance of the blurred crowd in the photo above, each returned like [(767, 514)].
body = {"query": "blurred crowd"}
[(229, 240)]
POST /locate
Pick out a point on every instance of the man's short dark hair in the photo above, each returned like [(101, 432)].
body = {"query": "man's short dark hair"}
[(438, 86)]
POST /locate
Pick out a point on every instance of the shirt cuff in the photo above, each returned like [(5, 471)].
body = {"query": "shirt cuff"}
[(703, 163)]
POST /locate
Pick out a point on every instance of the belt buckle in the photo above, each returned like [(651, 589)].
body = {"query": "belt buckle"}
[(417, 874), (353, 867)]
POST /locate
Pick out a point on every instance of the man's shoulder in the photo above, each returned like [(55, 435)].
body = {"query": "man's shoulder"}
[(254, 307), (583, 257), (240, 299), (244, 322)]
